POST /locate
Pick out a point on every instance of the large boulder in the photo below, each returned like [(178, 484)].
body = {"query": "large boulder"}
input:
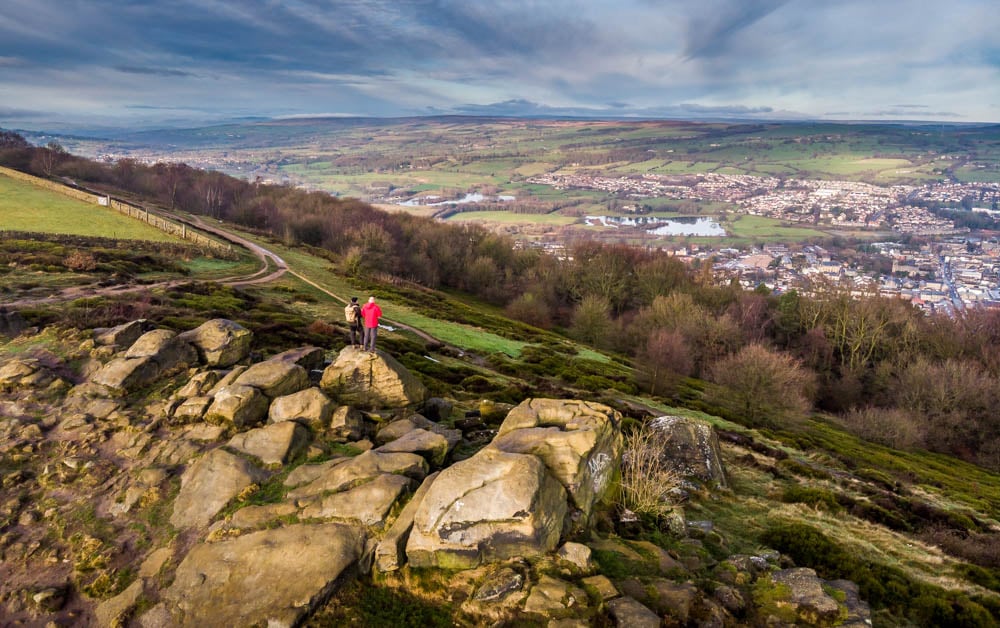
[(163, 347), (243, 406), (220, 342), (579, 441), (431, 446), (275, 378), (691, 447), (127, 374), (488, 508), (310, 407), (209, 484), (346, 424), (371, 380), (309, 358), (267, 578), (367, 504), (273, 444)]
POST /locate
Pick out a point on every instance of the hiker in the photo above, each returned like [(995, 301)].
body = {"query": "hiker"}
[(353, 315), (370, 312)]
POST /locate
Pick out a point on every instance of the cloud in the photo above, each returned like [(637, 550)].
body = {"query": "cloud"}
[(132, 69)]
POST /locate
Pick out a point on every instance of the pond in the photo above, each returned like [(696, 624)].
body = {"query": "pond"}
[(700, 226), (473, 197)]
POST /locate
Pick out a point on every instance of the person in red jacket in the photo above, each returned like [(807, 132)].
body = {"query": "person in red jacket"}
[(370, 312)]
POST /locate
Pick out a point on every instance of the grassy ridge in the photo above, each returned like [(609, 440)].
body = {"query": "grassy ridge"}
[(24, 207)]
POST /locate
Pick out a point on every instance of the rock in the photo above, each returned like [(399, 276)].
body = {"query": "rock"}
[(307, 473), (262, 578), (192, 409), (799, 592), (209, 484), (371, 380), (310, 407), (601, 586), (243, 406), (487, 508), (125, 374), (346, 424), (228, 379), (859, 614), (629, 613), (114, 612), (360, 469), (551, 595), (309, 358), (199, 385), (672, 598), (274, 444), (437, 409), (11, 323), (493, 412), (400, 427), (258, 516), (390, 554), (692, 449), (163, 347), (498, 584), (578, 555), (154, 562), (731, 599), (220, 342), (431, 446), (25, 373), (50, 599), (579, 441), (122, 335), (367, 504), (275, 378)]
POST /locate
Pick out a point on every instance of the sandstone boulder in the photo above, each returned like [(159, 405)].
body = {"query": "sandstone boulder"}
[(367, 504), (628, 613), (431, 446), (25, 373), (127, 374), (199, 384), (123, 335), (163, 347), (371, 380), (220, 342), (275, 378), (209, 484), (691, 447), (358, 470), (390, 554), (243, 406), (309, 358), (310, 407), (192, 409), (579, 441), (487, 508), (273, 444), (401, 427), (799, 590), (268, 578), (346, 424)]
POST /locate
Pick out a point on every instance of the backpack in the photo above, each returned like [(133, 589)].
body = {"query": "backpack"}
[(351, 312)]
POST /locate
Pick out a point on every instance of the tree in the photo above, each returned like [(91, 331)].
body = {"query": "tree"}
[(663, 361), (762, 386), (592, 321)]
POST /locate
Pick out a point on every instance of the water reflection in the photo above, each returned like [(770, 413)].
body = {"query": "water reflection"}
[(692, 226)]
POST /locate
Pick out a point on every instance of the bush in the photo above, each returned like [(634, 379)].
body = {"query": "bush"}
[(891, 427), (647, 481), (762, 386)]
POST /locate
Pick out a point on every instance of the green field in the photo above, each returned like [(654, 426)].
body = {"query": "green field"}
[(24, 207), (512, 218)]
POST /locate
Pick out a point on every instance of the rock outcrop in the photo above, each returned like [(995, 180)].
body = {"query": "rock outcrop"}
[(691, 447), (220, 342), (371, 380)]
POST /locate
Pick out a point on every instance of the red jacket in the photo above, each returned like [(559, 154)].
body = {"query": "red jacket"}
[(371, 312)]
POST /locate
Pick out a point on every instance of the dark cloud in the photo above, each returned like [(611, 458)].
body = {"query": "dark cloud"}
[(131, 69)]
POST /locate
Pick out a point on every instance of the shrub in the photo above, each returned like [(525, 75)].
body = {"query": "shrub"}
[(647, 481), (80, 260), (891, 427), (763, 386)]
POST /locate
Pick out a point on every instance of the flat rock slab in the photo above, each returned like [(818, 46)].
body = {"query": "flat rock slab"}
[(360, 469), (273, 444), (209, 484), (272, 577), (367, 504)]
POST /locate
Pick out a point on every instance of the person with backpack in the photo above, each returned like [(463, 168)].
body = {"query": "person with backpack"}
[(370, 312), (353, 315)]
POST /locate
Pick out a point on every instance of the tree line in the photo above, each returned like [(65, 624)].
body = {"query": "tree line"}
[(889, 372)]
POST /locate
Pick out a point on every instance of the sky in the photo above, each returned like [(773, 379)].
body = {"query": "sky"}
[(93, 64)]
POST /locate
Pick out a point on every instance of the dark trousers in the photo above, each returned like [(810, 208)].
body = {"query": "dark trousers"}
[(357, 336), (370, 334)]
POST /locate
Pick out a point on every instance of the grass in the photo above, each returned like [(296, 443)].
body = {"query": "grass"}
[(24, 207)]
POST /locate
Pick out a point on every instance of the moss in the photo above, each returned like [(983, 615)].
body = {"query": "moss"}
[(368, 605), (771, 597), (815, 497)]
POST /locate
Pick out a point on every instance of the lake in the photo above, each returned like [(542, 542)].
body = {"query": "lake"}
[(700, 226)]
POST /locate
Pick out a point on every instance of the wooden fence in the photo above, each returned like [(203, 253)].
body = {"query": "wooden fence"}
[(178, 229)]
